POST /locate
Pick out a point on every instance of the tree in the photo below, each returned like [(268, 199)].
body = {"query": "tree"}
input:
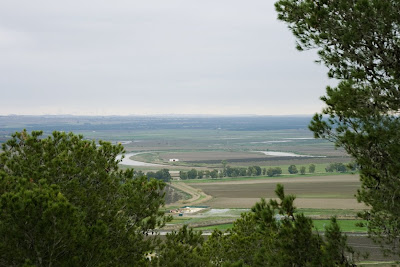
[(183, 175), (192, 174), (181, 248), (270, 172), (302, 170), (336, 243), (38, 225), (64, 202), (336, 167), (163, 175), (292, 169), (138, 173), (273, 234), (151, 175), (229, 171), (242, 171), (311, 168), (359, 42), (214, 174), (274, 171), (257, 170), (251, 171), (224, 163), (200, 174), (341, 167), (352, 166)]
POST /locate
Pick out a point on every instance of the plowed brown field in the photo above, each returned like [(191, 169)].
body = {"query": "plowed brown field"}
[(324, 192)]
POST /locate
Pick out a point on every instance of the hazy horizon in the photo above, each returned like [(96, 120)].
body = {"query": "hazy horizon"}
[(157, 115)]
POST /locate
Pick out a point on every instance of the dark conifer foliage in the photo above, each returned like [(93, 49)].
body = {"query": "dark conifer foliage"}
[(359, 42), (64, 202)]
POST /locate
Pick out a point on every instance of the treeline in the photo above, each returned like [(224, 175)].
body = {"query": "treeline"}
[(332, 167), (340, 167), (162, 175), (229, 171)]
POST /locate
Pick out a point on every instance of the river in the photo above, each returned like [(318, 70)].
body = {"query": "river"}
[(129, 162)]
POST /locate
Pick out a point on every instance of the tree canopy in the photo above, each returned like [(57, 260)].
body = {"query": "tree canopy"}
[(64, 202), (359, 42)]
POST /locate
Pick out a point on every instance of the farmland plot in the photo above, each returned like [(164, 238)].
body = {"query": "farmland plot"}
[(329, 192)]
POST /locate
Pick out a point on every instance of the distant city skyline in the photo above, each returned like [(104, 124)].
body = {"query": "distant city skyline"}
[(153, 58)]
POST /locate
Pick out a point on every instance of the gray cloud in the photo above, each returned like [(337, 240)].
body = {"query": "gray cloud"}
[(135, 57)]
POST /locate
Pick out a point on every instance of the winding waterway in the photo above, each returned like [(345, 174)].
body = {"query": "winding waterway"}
[(287, 154), (130, 162)]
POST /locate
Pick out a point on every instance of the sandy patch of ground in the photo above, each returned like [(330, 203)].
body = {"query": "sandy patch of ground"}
[(197, 195)]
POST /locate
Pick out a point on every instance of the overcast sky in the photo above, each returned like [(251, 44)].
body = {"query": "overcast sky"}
[(98, 57)]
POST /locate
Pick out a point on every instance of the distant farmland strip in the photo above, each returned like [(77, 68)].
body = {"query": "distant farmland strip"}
[(259, 159)]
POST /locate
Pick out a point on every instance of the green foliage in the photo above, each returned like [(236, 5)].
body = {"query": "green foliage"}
[(162, 174), (359, 42), (214, 173), (336, 243), (38, 223), (336, 167), (302, 170), (229, 172), (253, 171), (273, 235), (182, 248), (200, 174), (237, 171), (65, 202), (311, 168), (192, 174), (274, 171), (183, 175), (292, 169)]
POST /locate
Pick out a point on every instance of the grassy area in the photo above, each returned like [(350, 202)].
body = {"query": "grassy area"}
[(329, 212), (345, 225)]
